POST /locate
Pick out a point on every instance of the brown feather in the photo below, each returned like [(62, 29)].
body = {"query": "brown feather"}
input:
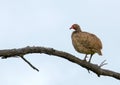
[(85, 42)]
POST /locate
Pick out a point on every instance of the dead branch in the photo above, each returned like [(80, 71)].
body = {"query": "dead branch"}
[(29, 63), (7, 53)]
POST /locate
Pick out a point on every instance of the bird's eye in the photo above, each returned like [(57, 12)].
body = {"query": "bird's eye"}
[(73, 26)]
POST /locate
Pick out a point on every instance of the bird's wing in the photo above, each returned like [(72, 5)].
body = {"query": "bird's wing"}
[(89, 41)]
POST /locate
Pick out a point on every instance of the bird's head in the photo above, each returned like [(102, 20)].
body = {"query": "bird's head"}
[(76, 27)]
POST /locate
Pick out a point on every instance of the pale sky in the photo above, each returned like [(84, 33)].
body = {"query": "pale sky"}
[(46, 23)]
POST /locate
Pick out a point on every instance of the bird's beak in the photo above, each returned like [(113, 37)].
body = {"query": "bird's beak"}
[(71, 28)]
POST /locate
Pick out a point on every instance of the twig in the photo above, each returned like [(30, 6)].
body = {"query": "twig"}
[(103, 63), (29, 63)]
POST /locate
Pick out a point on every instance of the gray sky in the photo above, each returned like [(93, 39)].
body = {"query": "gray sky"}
[(46, 23)]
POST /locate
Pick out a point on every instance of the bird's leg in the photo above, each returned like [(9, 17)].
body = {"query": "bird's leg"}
[(85, 57), (90, 58)]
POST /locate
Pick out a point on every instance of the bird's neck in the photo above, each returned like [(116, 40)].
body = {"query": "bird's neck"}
[(74, 32), (78, 30)]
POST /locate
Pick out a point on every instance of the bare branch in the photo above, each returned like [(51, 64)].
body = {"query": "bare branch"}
[(103, 63), (29, 63), (50, 51)]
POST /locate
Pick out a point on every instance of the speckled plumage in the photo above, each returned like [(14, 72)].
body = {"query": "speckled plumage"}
[(85, 42)]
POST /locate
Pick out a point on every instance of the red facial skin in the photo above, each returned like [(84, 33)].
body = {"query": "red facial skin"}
[(73, 27)]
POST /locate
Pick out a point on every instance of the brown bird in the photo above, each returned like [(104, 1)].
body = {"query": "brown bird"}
[(85, 42)]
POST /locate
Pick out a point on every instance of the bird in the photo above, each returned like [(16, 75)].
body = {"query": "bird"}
[(85, 42)]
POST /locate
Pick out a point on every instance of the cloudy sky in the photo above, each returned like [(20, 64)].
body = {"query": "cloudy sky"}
[(46, 23)]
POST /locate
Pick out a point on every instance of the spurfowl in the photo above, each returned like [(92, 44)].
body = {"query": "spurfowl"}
[(85, 42)]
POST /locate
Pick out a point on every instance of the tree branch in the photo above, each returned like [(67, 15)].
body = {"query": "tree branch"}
[(29, 63), (7, 53)]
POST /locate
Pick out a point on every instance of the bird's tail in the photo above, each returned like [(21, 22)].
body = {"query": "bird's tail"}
[(99, 52)]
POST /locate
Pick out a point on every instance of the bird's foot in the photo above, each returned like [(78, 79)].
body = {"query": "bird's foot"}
[(84, 60)]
